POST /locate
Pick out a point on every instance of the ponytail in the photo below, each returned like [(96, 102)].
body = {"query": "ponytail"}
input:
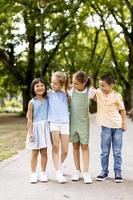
[(67, 81), (88, 83)]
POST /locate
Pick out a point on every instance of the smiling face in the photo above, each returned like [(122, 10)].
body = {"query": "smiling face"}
[(105, 87), (55, 84), (39, 89), (78, 85)]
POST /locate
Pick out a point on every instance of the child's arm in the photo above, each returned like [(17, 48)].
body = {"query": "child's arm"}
[(94, 98), (69, 94), (92, 93), (29, 120), (123, 116)]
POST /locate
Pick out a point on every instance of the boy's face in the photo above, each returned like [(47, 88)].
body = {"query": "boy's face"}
[(105, 87)]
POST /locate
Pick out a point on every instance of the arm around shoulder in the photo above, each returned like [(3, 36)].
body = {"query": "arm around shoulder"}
[(92, 93)]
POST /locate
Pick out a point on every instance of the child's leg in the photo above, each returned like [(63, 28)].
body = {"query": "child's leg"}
[(43, 153), (106, 137), (55, 155), (85, 154), (43, 175), (55, 148), (64, 146), (34, 156), (76, 155), (117, 146)]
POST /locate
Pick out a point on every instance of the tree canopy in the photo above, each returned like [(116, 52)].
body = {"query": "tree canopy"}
[(94, 36)]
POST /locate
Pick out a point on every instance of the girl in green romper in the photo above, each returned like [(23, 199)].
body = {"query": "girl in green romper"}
[(79, 123)]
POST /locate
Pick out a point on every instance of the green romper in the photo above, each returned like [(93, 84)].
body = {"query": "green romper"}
[(79, 117)]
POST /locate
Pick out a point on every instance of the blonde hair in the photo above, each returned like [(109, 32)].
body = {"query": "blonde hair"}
[(63, 79)]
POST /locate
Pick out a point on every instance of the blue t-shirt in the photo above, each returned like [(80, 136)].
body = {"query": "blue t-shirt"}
[(58, 107), (40, 109)]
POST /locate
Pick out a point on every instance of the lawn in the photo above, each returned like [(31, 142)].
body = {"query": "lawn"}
[(12, 134)]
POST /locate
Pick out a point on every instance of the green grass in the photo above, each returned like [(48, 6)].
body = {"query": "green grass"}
[(13, 131)]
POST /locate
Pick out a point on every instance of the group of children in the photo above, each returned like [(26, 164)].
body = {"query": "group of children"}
[(51, 122)]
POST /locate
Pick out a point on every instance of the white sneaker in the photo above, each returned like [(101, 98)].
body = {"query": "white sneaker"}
[(76, 176), (43, 177), (60, 177), (87, 177), (33, 178)]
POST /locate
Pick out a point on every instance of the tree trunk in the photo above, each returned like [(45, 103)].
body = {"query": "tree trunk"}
[(26, 97), (31, 37), (129, 95)]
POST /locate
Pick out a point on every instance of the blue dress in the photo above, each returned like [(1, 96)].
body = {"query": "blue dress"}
[(40, 125)]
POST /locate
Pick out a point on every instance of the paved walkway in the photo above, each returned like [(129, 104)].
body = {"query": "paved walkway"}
[(14, 176)]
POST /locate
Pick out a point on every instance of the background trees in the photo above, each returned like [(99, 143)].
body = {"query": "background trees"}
[(94, 36)]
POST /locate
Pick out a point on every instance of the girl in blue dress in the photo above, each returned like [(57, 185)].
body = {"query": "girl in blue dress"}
[(38, 138)]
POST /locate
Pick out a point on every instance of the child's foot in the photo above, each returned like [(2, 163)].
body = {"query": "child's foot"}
[(87, 178), (60, 177), (118, 178), (103, 176), (76, 176), (43, 177), (33, 178)]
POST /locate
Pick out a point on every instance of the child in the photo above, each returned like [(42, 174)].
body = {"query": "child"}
[(111, 116), (58, 116), (79, 123), (38, 138)]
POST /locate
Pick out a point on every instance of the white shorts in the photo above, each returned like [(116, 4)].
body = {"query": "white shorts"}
[(62, 128)]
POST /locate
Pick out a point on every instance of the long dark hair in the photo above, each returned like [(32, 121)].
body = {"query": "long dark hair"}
[(34, 82)]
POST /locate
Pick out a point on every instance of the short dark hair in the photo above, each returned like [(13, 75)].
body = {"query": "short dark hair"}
[(108, 78), (34, 82)]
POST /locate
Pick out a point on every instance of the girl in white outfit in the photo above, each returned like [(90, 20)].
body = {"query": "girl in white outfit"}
[(58, 116)]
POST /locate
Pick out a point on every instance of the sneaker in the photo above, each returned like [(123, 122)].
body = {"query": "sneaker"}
[(33, 178), (60, 177), (76, 176), (43, 177), (87, 178), (118, 178), (103, 176)]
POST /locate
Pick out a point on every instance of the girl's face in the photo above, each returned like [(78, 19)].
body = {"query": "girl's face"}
[(105, 87), (77, 85), (39, 89), (55, 84)]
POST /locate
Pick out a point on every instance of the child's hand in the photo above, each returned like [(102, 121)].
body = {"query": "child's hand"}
[(31, 138), (124, 126)]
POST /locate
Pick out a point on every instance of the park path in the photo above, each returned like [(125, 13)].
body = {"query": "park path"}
[(14, 175)]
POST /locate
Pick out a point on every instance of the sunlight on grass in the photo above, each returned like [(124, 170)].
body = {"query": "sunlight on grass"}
[(13, 131), (6, 154)]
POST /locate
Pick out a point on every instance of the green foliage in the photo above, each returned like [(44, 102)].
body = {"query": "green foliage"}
[(94, 36), (13, 103)]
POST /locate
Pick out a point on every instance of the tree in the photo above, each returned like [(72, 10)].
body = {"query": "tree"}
[(122, 13), (58, 22)]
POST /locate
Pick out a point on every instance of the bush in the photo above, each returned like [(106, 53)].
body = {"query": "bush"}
[(13, 103)]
